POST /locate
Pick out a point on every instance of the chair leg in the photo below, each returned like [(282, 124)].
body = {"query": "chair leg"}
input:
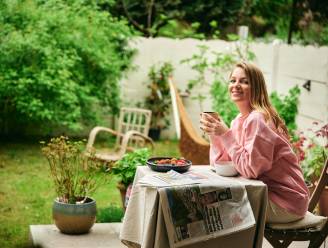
[(286, 243), (316, 242), (277, 243)]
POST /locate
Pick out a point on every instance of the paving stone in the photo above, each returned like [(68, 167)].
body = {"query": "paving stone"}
[(101, 235)]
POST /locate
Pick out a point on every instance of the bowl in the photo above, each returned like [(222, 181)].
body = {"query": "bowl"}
[(225, 168), (153, 164)]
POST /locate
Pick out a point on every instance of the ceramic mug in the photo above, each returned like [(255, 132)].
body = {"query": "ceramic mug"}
[(213, 114)]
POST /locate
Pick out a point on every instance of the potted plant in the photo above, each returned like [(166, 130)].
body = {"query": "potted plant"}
[(125, 169), (159, 99), (74, 177), (312, 151)]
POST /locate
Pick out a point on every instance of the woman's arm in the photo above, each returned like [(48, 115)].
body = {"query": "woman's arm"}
[(217, 150), (256, 154), (214, 127)]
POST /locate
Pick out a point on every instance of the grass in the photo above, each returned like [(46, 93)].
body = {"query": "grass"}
[(26, 193)]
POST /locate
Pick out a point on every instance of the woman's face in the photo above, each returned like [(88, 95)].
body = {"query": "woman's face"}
[(239, 87)]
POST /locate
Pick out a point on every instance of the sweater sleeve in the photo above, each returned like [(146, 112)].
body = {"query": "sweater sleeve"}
[(255, 155), (217, 150)]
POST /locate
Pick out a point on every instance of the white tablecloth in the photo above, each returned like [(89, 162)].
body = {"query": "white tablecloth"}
[(144, 226)]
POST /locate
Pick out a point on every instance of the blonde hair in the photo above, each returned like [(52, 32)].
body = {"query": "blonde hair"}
[(259, 99)]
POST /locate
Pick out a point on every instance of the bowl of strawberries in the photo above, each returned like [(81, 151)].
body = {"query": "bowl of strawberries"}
[(164, 164)]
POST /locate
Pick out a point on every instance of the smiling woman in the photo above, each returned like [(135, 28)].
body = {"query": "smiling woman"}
[(257, 143)]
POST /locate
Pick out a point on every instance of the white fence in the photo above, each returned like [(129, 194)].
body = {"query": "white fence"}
[(284, 66)]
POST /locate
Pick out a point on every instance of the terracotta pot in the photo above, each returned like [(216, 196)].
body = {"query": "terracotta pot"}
[(74, 218), (323, 202)]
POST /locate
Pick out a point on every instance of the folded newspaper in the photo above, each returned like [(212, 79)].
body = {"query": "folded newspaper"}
[(200, 212), (172, 178)]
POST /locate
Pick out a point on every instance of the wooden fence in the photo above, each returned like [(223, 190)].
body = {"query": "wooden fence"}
[(283, 65)]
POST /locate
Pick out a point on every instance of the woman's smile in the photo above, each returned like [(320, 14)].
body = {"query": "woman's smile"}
[(236, 93)]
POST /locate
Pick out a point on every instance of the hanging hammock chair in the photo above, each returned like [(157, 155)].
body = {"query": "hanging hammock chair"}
[(192, 146)]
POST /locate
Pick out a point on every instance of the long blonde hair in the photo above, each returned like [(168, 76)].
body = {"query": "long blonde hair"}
[(259, 99)]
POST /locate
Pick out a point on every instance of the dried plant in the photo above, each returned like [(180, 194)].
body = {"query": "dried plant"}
[(74, 174)]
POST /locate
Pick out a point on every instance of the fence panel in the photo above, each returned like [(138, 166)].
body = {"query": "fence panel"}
[(283, 65)]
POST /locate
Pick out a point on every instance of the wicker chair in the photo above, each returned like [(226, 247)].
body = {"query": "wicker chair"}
[(192, 145), (132, 133), (312, 228)]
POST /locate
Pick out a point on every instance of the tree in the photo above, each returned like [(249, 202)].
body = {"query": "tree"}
[(150, 16)]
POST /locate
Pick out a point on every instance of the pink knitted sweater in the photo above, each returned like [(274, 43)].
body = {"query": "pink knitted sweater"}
[(259, 152)]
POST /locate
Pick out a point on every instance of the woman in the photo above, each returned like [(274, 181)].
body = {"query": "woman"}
[(258, 145)]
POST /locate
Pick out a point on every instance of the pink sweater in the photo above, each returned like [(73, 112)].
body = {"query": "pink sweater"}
[(259, 152)]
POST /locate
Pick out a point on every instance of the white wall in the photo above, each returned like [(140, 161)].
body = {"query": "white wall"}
[(284, 66)]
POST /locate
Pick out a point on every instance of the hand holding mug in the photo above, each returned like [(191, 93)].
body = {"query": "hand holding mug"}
[(211, 123)]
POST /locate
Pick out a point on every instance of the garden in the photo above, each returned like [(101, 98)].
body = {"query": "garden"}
[(27, 190), (68, 67)]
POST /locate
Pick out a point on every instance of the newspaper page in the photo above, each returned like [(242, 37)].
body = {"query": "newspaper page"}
[(172, 178), (200, 212)]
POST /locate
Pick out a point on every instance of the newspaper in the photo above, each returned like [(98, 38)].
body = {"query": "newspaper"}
[(172, 178), (200, 212)]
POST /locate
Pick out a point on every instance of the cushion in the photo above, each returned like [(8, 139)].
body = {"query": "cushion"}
[(309, 220)]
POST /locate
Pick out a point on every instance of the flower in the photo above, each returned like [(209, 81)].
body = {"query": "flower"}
[(312, 151)]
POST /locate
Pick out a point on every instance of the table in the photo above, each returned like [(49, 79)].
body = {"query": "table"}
[(144, 226)]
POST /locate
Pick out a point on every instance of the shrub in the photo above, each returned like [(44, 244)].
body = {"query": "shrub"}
[(60, 62), (126, 167), (312, 151), (159, 99), (109, 214), (287, 107)]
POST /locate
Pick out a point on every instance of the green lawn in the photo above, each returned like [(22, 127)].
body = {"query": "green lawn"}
[(26, 193)]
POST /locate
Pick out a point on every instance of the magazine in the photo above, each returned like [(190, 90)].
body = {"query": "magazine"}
[(195, 213)]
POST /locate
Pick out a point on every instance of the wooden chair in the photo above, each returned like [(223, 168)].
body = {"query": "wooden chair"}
[(312, 228), (132, 133)]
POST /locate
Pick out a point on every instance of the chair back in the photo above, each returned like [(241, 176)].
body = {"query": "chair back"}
[(133, 119), (192, 146), (322, 183)]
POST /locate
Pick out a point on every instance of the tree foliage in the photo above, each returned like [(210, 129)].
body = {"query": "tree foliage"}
[(60, 62), (212, 18), (150, 16)]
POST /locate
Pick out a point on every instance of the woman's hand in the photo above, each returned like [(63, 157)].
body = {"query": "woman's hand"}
[(212, 125)]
